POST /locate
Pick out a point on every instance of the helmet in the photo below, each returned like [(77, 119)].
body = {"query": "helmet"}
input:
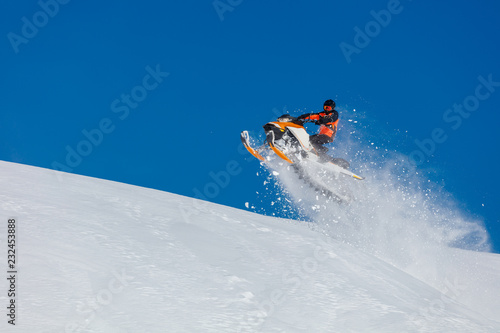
[(329, 102)]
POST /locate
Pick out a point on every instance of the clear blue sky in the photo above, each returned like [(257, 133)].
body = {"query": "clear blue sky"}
[(75, 66)]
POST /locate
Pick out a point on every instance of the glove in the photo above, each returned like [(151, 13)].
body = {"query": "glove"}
[(324, 121)]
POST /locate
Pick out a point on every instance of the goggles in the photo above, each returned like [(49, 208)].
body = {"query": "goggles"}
[(327, 108)]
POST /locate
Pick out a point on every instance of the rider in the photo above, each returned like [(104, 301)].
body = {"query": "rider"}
[(328, 120)]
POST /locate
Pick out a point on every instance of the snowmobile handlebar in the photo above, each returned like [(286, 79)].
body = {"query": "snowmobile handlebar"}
[(290, 119)]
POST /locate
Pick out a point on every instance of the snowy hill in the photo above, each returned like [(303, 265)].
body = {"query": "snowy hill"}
[(101, 256)]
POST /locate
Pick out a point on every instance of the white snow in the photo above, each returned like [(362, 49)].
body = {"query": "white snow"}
[(101, 256)]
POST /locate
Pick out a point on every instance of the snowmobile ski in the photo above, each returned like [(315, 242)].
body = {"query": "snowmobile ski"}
[(342, 170), (270, 141), (246, 142)]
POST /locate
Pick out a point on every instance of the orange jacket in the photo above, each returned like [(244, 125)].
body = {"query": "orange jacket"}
[(327, 120)]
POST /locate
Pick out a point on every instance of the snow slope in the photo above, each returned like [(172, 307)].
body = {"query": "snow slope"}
[(101, 256)]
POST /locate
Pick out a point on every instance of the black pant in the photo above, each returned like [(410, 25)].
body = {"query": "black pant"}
[(318, 140)]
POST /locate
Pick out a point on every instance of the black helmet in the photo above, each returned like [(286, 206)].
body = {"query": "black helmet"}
[(329, 102)]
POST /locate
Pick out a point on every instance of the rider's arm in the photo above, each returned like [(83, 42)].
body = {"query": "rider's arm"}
[(330, 119), (309, 116)]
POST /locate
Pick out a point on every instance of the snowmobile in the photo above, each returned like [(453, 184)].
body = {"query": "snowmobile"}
[(288, 139)]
